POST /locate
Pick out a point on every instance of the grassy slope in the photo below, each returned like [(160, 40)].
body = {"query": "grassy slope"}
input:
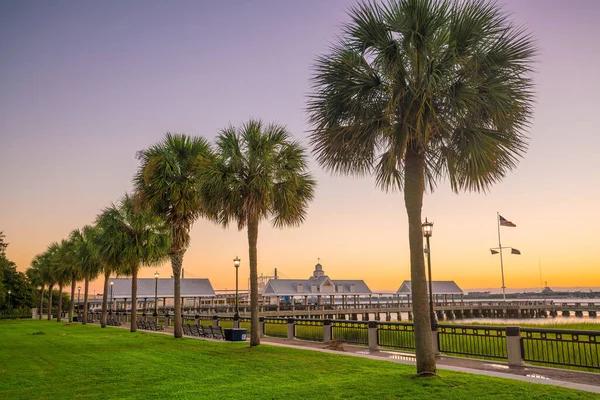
[(74, 361)]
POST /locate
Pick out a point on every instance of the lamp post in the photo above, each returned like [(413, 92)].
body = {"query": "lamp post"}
[(427, 232), (155, 294), (236, 264), (111, 297), (78, 306), (9, 292)]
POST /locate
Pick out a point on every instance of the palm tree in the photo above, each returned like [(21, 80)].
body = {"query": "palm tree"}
[(86, 254), (47, 274), (73, 270), (62, 259), (132, 237), (35, 277), (167, 184), (258, 173), (416, 91)]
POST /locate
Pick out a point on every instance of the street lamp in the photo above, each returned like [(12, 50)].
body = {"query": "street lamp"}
[(427, 232), (236, 264), (155, 294), (9, 292), (78, 306), (111, 296)]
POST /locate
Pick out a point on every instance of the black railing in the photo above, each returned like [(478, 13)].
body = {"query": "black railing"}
[(276, 327), (396, 335), (351, 332), (477, 341), (579, 349), (309, 329)]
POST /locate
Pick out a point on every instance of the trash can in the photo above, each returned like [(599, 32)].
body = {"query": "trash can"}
[(235, 334)]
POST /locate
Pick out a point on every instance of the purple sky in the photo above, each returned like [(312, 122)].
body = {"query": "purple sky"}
[(84, 85)]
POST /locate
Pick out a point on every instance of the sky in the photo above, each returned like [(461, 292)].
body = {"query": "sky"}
[(85, 85)]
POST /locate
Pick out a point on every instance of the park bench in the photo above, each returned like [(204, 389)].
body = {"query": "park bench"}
[(215, 332), (199, 330), (187, 330), (154, 326)]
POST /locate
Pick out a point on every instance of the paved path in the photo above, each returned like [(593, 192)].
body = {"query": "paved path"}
[(587, 381)]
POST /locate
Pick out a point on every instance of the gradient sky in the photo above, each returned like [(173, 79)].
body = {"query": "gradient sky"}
[(84, 85)]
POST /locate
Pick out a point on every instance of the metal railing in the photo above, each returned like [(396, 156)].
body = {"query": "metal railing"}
[(354, 332), (309, 329), (397, 335), (469, 340), (561, 347), (276, 327)]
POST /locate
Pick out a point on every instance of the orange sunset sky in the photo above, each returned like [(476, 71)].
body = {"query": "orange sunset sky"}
[(83, 87)]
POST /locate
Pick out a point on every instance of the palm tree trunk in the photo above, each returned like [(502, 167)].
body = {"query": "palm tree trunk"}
[(134, 275), (60, 291), (72, 305), (414, 187), (253, 256), (50, 302), (105, 300), (85, 299), (176, 263), (41, 301)]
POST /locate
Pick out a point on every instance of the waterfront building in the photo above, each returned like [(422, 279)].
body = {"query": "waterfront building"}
[(441, 289), (195, 292), (318, 289)]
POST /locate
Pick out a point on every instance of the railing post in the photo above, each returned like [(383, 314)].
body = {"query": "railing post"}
[(167, 320), (261, 324), (327, 330), (514, 346), (236, 321), (373, 336), (215, 321), (435, 336), (290, 328)]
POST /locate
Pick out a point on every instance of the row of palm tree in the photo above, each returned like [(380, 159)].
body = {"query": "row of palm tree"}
[(251, 173), (412, 92), (123, 238)]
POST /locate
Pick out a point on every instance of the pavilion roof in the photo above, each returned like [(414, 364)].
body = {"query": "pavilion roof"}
[(190, 287), (438, 287)]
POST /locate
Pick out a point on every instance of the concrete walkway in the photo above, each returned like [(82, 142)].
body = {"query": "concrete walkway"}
[(586, 381)]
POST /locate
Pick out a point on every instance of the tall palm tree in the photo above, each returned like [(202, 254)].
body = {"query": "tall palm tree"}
[(61, 258), (35, 277), (167, 184), (47, 273), (132, 237), (86, 255), (416, 91), (259, 173), (72, 269)]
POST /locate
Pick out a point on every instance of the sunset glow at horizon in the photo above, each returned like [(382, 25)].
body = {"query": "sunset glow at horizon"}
[(84, 86)]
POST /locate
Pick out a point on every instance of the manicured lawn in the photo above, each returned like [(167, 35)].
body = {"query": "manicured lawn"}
[(74, 361)]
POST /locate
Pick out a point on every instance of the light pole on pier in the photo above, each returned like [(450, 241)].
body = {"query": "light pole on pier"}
[(155, 294), (111, 297), (427, 232), (236, 264)]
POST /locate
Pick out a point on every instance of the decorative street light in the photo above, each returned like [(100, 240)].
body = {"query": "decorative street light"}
[(236, 264), (155, 294), (427, 232), (111, 297), (9, 292), (78, 306)]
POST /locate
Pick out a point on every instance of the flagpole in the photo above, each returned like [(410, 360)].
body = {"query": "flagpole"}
[(501, 262)]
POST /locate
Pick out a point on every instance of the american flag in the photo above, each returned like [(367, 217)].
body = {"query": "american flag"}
[(505, 222)]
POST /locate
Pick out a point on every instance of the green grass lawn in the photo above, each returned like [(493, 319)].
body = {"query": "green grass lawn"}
[(75, 361)]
